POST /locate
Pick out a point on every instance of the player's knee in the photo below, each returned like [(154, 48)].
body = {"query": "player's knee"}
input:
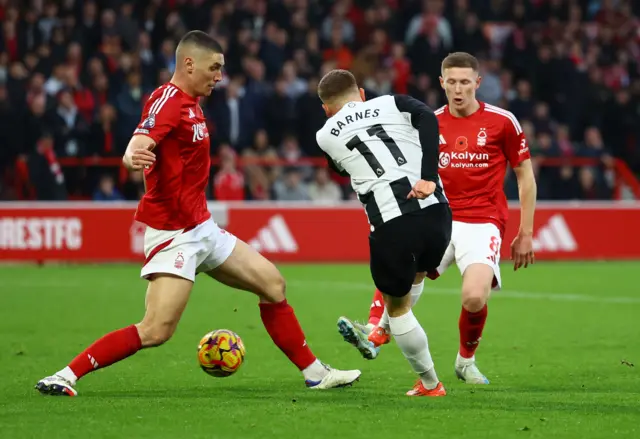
[(152, 335), (274, 288), (419, 277), (473, 299), (398, 306)]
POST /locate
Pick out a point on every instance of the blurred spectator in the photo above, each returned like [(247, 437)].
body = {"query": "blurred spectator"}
[(133, 187), (9, 135), (322, 189), (565, 145), (490, 89), (45, 172), (106, 190), (69, 127), (291, 153), (228, 184), (589, 189), (291, 187), (234, 116), (522, 105), (260, 177)]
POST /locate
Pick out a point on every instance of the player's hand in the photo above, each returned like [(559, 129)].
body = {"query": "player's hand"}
[(522, 251), (422, 189), (142, 158)]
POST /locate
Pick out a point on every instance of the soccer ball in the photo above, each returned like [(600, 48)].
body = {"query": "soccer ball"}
[(221, 353)]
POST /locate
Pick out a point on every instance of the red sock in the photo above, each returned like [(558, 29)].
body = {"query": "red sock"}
[(282, 325), (377, 308), (471, 325), (111, 348)]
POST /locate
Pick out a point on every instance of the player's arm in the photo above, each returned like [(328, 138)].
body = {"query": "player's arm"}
[(425, 121), (517, 152), (138, 153), (333, 165), (527, 191), (325, 144), (159, 117)]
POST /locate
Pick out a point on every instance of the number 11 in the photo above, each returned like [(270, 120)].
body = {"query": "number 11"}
[(378, 131)]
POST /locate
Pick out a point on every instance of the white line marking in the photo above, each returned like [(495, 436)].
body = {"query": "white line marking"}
[(529, 295), (509, 294)]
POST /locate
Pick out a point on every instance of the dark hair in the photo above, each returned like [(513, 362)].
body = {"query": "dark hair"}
[(461, 60), (335, 84), (202, 40)]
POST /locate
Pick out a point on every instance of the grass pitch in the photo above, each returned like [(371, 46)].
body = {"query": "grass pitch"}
[(559, 348)]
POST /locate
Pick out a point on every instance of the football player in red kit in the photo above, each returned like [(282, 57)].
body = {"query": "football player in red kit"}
[(171, 144), (477, 142)]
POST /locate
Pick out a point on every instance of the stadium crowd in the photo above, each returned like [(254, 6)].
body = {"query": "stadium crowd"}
[(74, 75)]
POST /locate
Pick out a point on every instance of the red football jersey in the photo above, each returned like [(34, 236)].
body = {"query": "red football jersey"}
[(175, 197), (474, 152)]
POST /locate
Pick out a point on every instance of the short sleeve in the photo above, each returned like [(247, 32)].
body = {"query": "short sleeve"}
[(516, 148), (324, 142), (161, 114)]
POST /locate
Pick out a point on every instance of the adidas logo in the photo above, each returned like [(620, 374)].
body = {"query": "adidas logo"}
[(275, 237), (191, 114), (442, 141), (555, 236), (93, 361)]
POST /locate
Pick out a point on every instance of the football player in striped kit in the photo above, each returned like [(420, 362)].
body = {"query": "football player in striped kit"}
[(389, 147), (477, 142)]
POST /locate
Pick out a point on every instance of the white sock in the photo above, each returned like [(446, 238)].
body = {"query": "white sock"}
[(315, 372), (461, 361), (68, 375), (413, 342), (415, 291)]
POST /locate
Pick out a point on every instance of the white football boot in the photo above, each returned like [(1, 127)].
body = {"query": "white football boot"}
[(357, 335), (335, 378), (467, 371), (57, 386)]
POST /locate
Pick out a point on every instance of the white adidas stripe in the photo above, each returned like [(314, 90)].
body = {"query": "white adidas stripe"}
[(559, 296), (555, 236), (157, 105), (440, 110), (509, 115), (275, 237), (171, 94)]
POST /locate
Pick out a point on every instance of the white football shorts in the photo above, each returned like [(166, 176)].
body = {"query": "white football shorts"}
[(474, 244), (186, 252)]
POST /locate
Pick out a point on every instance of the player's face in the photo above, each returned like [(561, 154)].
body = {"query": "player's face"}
[(460, 85), (207, 71)]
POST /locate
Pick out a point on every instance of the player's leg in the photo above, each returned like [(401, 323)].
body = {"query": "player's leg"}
[(246, 269), (166, 298), (379, 333), (478, 258), (376, 310), (368, 339), (413, 343), (172, 258), (397, 250)]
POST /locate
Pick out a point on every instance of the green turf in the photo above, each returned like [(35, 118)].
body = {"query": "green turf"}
[(558, 349)]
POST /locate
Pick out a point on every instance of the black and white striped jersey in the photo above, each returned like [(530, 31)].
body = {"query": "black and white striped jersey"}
[(385, 145)]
